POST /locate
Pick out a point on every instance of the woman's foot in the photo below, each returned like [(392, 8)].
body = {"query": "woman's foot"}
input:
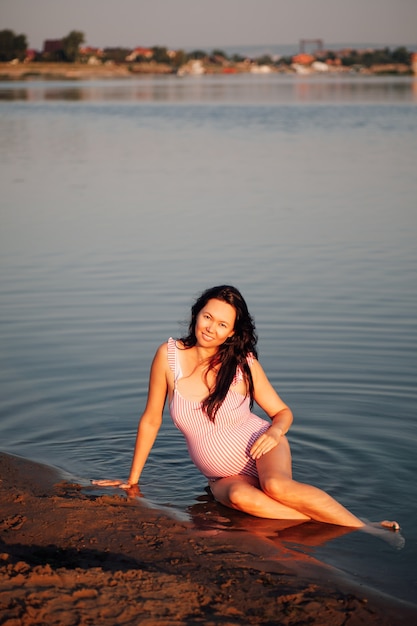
[(387, 531), (390, 525)]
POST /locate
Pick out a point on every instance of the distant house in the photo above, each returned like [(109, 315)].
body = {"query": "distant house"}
[(92, 56), (303, 59), (194, 67), (50, 46), (140, 53), (89, 51)]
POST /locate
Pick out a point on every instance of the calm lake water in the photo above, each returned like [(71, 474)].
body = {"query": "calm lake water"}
[(122, 200)]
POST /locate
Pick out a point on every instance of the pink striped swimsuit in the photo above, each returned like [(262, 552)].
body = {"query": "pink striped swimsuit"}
[(220, 448)]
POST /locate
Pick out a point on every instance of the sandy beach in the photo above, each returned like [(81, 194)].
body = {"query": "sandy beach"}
[(60, 71), (71, 556)]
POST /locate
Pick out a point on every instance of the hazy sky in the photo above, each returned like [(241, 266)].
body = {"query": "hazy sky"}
[(217, 23)]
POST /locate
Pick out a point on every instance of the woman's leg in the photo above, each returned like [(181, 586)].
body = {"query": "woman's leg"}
[(276, 483), (243, 493)]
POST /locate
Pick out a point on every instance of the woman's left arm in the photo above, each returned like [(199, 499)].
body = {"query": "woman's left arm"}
[(270, 402)]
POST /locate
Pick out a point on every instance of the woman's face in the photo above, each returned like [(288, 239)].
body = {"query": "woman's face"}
[(215, 323)]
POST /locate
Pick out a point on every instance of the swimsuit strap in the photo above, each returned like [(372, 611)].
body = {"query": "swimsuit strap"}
[(173, 360)]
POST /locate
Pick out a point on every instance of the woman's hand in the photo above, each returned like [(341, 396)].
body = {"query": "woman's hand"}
[(266, 442), (107, 483), (133, 490)]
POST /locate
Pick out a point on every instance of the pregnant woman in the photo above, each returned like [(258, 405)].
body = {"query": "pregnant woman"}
[(212, 377)]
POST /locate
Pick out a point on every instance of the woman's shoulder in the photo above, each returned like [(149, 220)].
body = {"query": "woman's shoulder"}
[(161, 352), (167, 349)]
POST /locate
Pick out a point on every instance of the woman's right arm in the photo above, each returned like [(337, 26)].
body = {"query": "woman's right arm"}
[(151, 420)]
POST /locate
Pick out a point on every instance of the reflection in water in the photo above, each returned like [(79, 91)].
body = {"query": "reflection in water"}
[(290, 542), (241, 88), (13, 94)]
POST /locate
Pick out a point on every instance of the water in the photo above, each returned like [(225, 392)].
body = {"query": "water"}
[(122, 200)]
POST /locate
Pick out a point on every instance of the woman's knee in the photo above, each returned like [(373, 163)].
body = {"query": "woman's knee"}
[(277, 487), (231, 492), (239, 494)]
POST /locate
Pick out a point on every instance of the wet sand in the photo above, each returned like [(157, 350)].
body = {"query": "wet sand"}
[(71, 555)]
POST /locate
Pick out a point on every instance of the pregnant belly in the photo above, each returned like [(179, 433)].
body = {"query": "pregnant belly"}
[(226, 453)]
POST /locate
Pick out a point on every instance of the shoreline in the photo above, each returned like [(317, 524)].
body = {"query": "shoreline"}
[(84, 71), (72, 555)]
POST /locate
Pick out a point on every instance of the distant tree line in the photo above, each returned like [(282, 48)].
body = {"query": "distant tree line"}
[(161, 54), (12, 46), (377, 57), (350, 58), (67, 49)]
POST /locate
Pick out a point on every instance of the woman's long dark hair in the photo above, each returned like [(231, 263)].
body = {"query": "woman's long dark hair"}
[(233, 352)]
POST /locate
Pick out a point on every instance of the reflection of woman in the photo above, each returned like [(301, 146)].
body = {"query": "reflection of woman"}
[(212, 377)]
